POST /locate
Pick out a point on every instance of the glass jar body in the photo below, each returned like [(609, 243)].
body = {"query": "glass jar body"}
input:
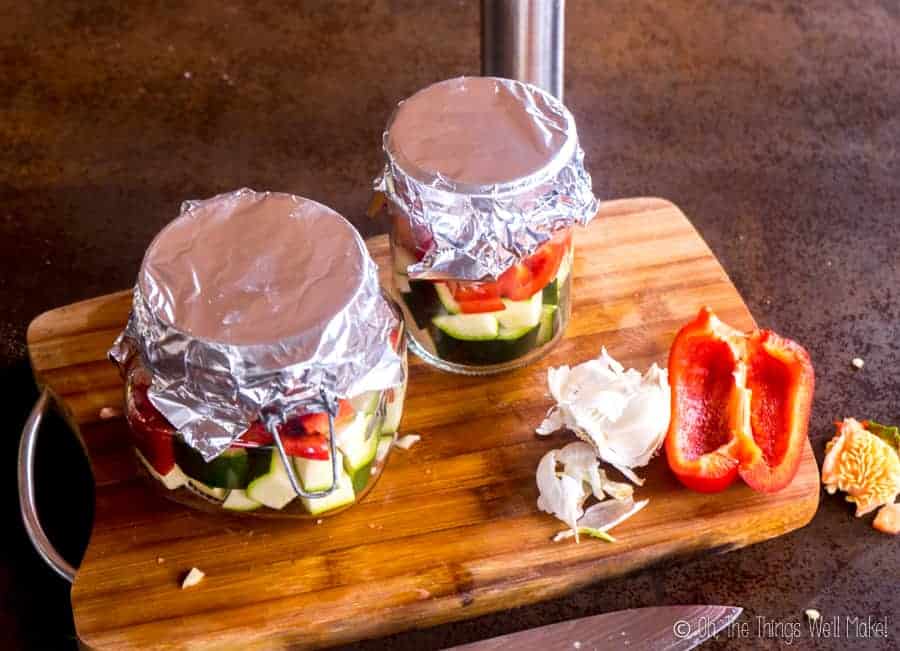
[(249, 477), (478, 328)]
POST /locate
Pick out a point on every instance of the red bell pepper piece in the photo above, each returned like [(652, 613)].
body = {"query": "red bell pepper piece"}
[(740, 406), (702, 447), (781, 381)]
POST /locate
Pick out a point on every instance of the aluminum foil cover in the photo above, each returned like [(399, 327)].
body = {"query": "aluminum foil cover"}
[(486, 169), (256, 301)]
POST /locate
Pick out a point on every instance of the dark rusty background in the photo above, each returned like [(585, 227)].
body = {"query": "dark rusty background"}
[(774, 125)]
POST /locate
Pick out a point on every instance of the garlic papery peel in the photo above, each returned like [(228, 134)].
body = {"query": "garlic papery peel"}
[(603, 516), (580, 462), (624, 415), (559, 494)]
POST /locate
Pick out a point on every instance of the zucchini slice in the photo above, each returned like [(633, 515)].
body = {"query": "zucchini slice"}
[(506, 346), (272, 488), (237, 500), (314, 474), (468, 327), (230, 469), (446, 298), (521, 314), (547, 327), (366, 403), (358, 450), (342, 495), (209, 493)]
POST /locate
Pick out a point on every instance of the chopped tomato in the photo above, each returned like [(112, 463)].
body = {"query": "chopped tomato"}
[(414, 238), (543, 265), (476, 297), (308, 446), (318, 422), (151, 433), (256, 436), (518, 283), (465, 291), (395, 338), (297, 441)]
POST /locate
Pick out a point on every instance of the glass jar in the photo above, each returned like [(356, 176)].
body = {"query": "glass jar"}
[(265, 370), (484, 327), (251, 467), (484, 183)]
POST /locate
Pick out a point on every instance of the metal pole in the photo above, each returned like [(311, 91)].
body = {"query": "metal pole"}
[(524, 40)]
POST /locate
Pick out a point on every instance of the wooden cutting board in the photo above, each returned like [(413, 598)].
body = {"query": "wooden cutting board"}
[(451, 530)]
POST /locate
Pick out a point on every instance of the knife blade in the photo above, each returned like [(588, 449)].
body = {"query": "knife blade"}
[(659, 628)]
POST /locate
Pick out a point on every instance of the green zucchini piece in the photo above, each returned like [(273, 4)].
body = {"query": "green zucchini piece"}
[(237, 500), (384, 447), (494, 351), (467, 327), (551, 293), (228, 470), (520, 314), (362, 476), (366, 403), (210, 493), (446, 297), (314, 474), (272, 488), (547, 328), (351, 439), (342, 495)]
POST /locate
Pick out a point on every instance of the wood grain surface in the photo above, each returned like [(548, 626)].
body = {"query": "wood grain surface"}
[(451, 530)]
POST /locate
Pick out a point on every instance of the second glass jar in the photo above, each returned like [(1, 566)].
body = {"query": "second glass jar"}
[(484, 327), (485, 183)]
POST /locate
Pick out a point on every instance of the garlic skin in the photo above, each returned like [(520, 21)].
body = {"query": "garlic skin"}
[(560, 495), (579, 461), (622, 414)]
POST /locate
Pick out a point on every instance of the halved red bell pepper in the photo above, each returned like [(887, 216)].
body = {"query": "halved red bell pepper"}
[(703, 446), (780, 380), (740, 406)]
